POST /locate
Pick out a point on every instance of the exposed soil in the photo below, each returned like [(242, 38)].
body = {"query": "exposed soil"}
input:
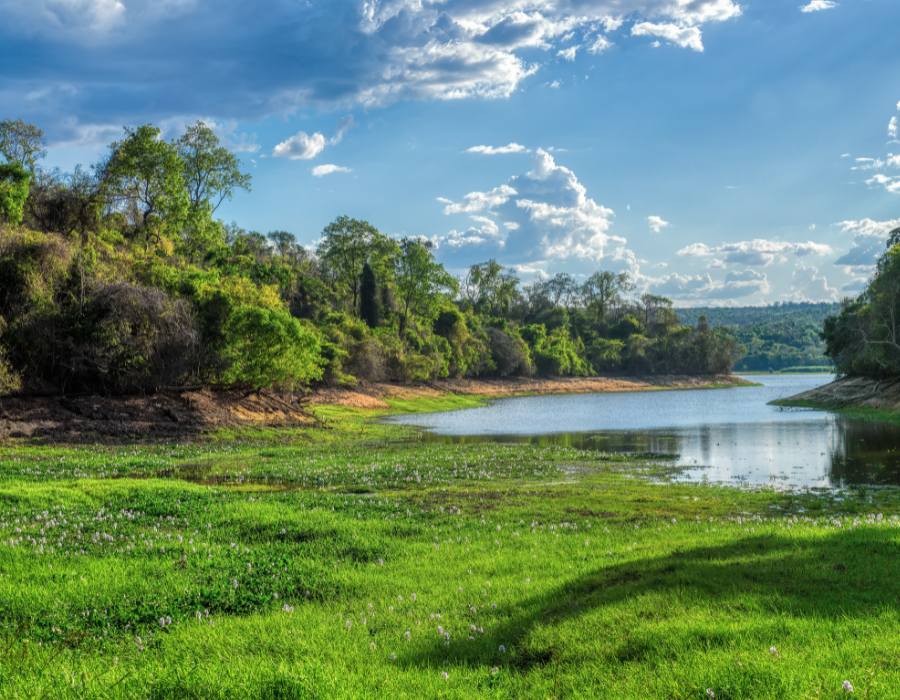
[(852, 392), (139, 418), (376, 395), (181, 414)]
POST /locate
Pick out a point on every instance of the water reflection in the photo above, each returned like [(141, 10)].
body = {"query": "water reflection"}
[(730, 436)]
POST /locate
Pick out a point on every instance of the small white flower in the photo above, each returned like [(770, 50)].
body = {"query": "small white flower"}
[(773, 650), (445, 675), (502, 648), (847, 686), (710, 693)]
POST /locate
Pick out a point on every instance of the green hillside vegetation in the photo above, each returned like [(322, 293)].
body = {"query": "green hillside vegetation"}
[(863, 339), (120, 279), (782, 336)]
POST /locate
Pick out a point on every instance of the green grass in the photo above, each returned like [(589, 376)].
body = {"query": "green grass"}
[(866, 413), (357, 560)]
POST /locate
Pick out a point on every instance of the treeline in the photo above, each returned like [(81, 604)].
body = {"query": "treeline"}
[(863, 339), (775, 337), (120, 279)]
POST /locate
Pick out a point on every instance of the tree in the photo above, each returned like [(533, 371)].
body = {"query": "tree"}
[(268, 347), (65, 204), (348, 244), (14, 186), (144, 179), (603, 291), (211, 172), (21, 143), (369, 302), (421, 282), (489, 289)]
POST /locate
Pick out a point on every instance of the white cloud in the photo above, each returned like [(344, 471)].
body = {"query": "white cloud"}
[(329, 169), (818, 6), (892, 128), (568, 53), (702, 287), (685, 37), (542, 215), (869, 237), (478, 201), (809, 284), (657, 223), (511, 147), (758, 252), (301, 146)]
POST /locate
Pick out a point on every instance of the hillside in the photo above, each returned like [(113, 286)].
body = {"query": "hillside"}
[(777, 337)]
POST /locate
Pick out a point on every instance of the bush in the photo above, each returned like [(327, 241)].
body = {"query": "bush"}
[(134, 339), (270, 348), (14, 186), (509, 353)]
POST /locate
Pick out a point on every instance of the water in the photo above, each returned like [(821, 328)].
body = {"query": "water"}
[(723, 435)]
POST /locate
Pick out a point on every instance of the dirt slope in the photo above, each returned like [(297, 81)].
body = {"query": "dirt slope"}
[(852, 392)]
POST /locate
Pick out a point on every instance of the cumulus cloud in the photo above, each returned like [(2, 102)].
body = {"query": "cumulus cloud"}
[(883, 167), (300, 146), (809, 284), (656, 223), (869, 237), (818, 6), (543, 215), (685, 37), (329, 169), (303, 146), (511, 147), (307, 55), (702, 287), (759, 252)]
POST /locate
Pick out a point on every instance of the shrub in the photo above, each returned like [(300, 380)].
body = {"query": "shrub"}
[(269, 347), (509, 353), (14, 186), (134, 339)]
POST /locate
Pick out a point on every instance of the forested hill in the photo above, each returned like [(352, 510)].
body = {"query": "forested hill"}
[(777, 337), (120, 279)]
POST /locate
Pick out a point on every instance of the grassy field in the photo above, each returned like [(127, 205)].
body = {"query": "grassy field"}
[(357, 560)]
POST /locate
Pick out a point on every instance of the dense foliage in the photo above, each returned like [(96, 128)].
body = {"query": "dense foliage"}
[(121, 280), (863, 339), (781, 336)]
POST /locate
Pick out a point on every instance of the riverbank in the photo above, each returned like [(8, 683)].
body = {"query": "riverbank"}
[(360, 561), (858, 396), (382, 396), (182, 414)]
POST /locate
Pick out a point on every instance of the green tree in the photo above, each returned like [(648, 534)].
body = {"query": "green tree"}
[(212, 173), (421, 282), (144, 179), (268, 347), (369, 301), (14, 187), (21, 143), (348, 244), (490, 289)]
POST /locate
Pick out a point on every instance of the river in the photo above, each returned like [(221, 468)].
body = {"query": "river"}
[(731, 436)]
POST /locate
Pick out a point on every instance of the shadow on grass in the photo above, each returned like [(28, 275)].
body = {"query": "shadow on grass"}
[(853, 573)]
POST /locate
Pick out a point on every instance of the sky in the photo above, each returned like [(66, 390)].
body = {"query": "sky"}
[(723, 152)]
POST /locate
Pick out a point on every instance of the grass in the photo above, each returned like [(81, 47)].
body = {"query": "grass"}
[(866, 413), (356, 560)]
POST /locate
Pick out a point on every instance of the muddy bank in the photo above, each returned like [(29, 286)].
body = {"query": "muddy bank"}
[(851, 392), (377, 395), (184, 414), (166, 415)]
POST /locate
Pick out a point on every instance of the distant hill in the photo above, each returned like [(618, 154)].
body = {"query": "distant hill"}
[(777, 337)]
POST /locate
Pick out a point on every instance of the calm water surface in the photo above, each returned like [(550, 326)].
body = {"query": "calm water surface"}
[(723, 435)]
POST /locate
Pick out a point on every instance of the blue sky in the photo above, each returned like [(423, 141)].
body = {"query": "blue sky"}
[(721, 151)]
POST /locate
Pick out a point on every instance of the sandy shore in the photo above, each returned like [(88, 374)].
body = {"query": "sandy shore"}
[(376, 395)]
